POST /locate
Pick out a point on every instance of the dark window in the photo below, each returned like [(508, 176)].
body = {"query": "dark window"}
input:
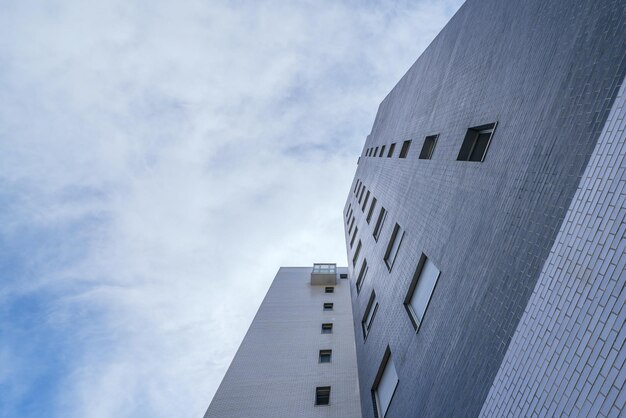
[(328, 306), (361, 277), (343, 275), (367, 196), (327, 328), (405, 149), (371, 211), (394, 246), (348, 211), (368, 316), (476, 142), (356, 186), (382, 151), (361, 193), (326, 356), (428, 147), (392, 147), (354, 236), (322, 395), (329, 289), (351, 226), (356, 253), (375, 151), (379, 222), (421, 290)]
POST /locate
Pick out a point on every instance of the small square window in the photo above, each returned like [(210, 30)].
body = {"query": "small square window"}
[(368, 316), (327, 328), (394, 246), (328, 306), (421, 290), (392, 148), (367, 197), (356, 254), (476, 142), (384, 385), (343, 275), (329, 289), (326, 356), (429, 147), (361, 277), (371, 211), (404, 151), (322, 395), (379, 222), (382, 151)]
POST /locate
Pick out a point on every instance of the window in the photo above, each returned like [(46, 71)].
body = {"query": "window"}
[(367, 196), (371, 211), (394, 246), (361, 277), (343, 275), (322, 395), (392, 147), (384, 385), (379, 222), (329, 289), (476, 142), (356, 254), (328, 306), (326, 356), (356, 186), (375, 151), (348, 211), (351, 225), (361, 193), (382, 151), (404, 151), (327, 328), (428, 147), (353, 237), (368, 316), (421, 290)]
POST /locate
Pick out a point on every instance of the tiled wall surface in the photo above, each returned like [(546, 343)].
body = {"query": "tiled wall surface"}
[(568, 356), (276, 369), (548, 73)]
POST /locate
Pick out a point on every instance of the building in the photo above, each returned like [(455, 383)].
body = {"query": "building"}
[(485, 224)]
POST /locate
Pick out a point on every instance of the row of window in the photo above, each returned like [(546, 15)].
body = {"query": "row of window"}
[(473, 148), (322, 393)]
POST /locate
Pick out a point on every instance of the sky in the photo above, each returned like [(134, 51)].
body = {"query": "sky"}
[(159, 161)]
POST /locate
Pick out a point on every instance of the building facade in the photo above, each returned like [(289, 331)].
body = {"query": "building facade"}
[(485, 225)]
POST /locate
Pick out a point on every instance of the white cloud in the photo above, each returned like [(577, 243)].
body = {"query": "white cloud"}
[(177, 154)]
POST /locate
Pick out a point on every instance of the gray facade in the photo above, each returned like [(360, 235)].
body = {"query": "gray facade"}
[(277, 367), (547, 74)]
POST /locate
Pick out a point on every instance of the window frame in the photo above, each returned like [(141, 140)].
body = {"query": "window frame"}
[(427, 152), (392, 148), (370, 212), (327, 328), (329, 289), (326, 354), (362, 273), (397, 229), (416, 321), (470, 141), (356, 254), (328, 306), (372, 306), (322, 391), (404, 151), (387, 358), (380, 222)]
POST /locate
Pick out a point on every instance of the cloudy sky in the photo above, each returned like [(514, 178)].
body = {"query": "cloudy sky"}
[(158, 162)]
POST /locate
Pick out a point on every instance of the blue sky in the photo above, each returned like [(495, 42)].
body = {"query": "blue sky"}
[(158, 162)]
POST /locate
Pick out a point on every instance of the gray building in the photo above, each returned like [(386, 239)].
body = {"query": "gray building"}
[(485, 224)]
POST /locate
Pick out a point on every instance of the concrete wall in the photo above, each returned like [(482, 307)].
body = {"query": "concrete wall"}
[(276, 370), (568, 356), (548, 73)]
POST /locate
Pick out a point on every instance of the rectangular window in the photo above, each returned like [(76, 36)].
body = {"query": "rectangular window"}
[(367, 196), (429, 147), (379, 222), (361, 193), (384, 385), (361, 277), (343, 275), (368, 316), (476, 142), (356, 186), (351, 225), (327, 328), (404, 151), (348, 211), (353, 237), (371, 211), (421, 290), (382, 151), (394, 246), (356, 254), (328, 306), (375, 151), (322, 395), (329, 289), (326, 356), (392, 148)]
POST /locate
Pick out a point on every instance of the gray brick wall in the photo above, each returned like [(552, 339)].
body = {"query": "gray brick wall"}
[(276, 370), (548, 73), (568, 356)]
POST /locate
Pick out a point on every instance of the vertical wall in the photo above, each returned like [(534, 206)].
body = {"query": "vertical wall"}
[(276, 369), (568, 356)]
